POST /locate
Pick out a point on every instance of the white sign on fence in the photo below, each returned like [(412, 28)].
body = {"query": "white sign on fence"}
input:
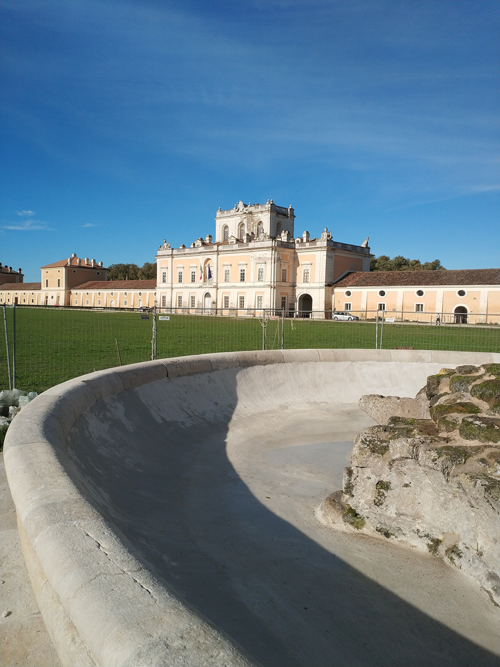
[(389, 319), (164, 317)]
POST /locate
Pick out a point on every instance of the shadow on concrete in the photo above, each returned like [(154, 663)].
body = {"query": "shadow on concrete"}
[(171, 490)]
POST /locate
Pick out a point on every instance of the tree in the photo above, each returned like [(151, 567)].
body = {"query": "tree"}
[(400, 263), (123, 272), (148, 271)]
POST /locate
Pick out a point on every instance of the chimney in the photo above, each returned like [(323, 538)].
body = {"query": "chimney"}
[(86, 260), (93, 262), (100, 263), (69, 261), (78, 261), (73, 255), (305, 237), (20, 270), (208, 238)]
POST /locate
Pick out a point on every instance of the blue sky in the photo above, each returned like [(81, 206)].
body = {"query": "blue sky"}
[(128, 121)]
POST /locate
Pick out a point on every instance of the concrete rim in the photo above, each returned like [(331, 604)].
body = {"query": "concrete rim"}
[(68, 545)]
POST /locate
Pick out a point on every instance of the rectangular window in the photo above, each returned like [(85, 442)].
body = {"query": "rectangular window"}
[(419, 307), (87, 302), (193, 276), (46, 283), (227, 277), (283, 275), (260, 275), (241, 301), (125, 303), (164, 301), (59, 282), (347, 306), (259, 301), (179, 301), (305, 276), (98, 302), (226, 302), (76, 302), (381, 306), (179, 276), (242, 275), (164, 276), (193, 302), (283, 302)]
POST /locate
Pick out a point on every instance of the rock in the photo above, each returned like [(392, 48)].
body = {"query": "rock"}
[(428, 476), (382, 408)]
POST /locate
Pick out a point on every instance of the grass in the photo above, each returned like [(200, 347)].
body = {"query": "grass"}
[(54, 345)]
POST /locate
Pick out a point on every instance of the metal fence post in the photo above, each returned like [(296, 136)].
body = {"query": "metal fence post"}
[(7, 345), (382, 328), (153, 341), (282, 328), (376, 330), (14, 346)]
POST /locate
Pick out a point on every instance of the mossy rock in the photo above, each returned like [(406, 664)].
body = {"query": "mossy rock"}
[(495, 407), (385, 532), (438, 411), (453, 554), (3, 433), (374, 441), (484, 429), (492, 369), (488, 391), (399, 427), (448, 423), (456, 455), (490, 484), (382, 488), (437, 398), (351, 517), (433, 544), (467, 369), (462, 382), (433, 385)]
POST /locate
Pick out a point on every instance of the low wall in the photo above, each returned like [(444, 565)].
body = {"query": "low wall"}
[(101, 604)]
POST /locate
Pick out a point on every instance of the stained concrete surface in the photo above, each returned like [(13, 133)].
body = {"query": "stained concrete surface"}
[(24, 640), (214, 479)]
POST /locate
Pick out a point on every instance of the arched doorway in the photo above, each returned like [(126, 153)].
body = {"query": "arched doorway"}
[(305, 305), (460, 315), (207, 303)]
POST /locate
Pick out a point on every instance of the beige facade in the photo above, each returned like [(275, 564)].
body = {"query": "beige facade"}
[(254, 264), (471, 296), (9, 275)]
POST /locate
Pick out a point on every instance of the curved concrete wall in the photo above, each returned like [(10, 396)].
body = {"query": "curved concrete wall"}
[(101, 602)]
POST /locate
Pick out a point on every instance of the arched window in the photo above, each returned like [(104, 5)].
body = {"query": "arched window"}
[(260, 229), (241, 230), (225, 233)]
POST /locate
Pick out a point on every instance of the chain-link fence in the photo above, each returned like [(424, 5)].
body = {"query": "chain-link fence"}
[(40, 347)]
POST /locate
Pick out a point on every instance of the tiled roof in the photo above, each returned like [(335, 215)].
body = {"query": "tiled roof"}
[(74, 262), (8, 269), (21, 287), (420, 278), (116, 285)]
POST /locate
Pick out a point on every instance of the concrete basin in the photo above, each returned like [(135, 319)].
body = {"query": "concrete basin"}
[(166, 512)]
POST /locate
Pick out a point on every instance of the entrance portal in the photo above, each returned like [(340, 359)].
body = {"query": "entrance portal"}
[(305, 305), (460, 315), (207, 303)]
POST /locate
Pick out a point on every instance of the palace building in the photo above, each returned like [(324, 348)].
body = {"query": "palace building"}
[(256, 263)]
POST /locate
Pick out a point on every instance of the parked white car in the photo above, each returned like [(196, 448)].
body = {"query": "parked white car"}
[(341, 315)]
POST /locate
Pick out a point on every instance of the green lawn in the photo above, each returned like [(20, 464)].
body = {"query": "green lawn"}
[(55, 345)]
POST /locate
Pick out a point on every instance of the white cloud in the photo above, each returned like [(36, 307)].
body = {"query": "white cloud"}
[(27, 226), (25, 214), (89, 224)]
